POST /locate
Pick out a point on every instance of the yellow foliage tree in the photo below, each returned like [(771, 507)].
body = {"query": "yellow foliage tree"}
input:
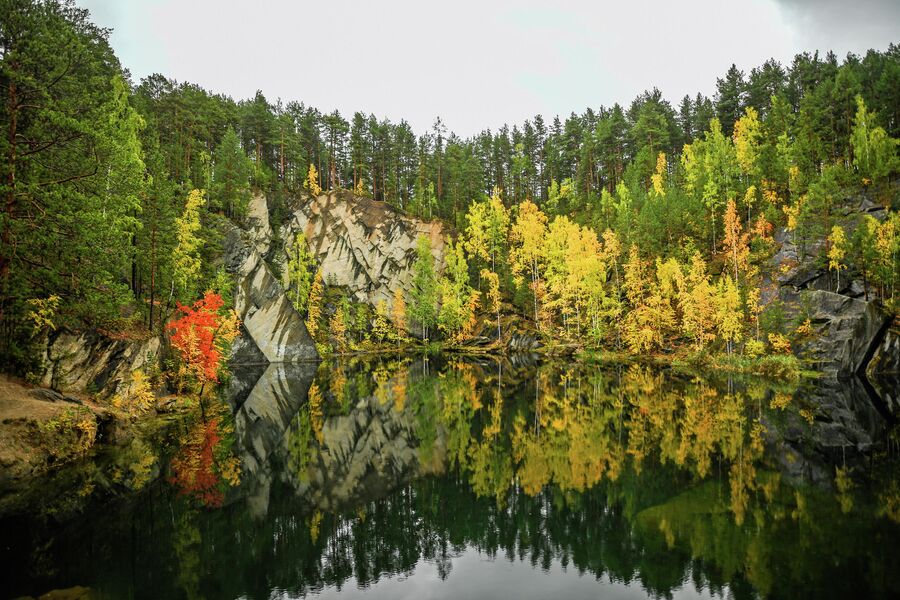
[(697, 301), (527, 251), (381, 329), (747, 133), (314, 305), (634, 284), (652, 317), (312, 181), (736, 241), (493, 294), (398, 314), (186, 256), (729, 316), (338, 331), (837, 249), (658, 178)]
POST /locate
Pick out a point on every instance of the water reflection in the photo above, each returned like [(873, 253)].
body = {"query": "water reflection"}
[(383, 474)]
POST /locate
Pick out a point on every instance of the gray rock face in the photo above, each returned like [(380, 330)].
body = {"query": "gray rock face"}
[(259, 232), (267, 315), (90, 362), (362, 244), (886, 357), (845, 330)]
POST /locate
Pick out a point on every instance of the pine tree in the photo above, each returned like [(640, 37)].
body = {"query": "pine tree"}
[(72, 173), (730, 97), (230, 190)]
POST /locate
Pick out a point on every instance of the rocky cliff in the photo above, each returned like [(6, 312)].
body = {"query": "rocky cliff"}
[(272, 331), (269, 320), (847, 328), (91, 362), (361, 244)]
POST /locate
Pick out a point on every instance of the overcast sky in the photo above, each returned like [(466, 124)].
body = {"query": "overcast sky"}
[(476, 63)]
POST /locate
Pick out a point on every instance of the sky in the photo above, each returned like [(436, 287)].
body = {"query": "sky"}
[(476, 63)]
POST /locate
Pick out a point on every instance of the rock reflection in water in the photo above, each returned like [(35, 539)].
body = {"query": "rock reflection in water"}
[(395, 475)]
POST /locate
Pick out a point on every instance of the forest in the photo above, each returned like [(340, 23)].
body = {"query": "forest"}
[(635, 227), (253, 348)]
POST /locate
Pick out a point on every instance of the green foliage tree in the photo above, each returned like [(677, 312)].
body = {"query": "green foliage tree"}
[(230, 188), (424, 295), (455, 292), (874, 151), (301, 270), (186, 257), (72, 172)]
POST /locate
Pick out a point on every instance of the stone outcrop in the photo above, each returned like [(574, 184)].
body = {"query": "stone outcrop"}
[(845, 330), (269, 320), (362, 244), (259, 231), (886, 354), (91, 362)]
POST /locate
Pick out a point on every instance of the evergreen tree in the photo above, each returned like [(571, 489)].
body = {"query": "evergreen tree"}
[(730, 98), (230, 189)]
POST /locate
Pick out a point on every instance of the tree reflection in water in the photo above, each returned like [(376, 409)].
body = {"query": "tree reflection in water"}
[(368, 470)]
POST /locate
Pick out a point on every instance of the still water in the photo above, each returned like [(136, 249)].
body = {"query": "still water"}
[(452, 478)]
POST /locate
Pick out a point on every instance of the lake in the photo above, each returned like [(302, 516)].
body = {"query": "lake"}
[(447, 477)]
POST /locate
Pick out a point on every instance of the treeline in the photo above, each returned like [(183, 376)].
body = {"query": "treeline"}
[(438, 174), (115, 193), (684, 263)]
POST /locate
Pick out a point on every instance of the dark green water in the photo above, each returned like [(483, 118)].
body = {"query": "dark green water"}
[(445, 479)]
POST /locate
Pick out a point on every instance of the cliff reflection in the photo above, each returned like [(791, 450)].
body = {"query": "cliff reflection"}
[(360, 472), (628, 472)]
